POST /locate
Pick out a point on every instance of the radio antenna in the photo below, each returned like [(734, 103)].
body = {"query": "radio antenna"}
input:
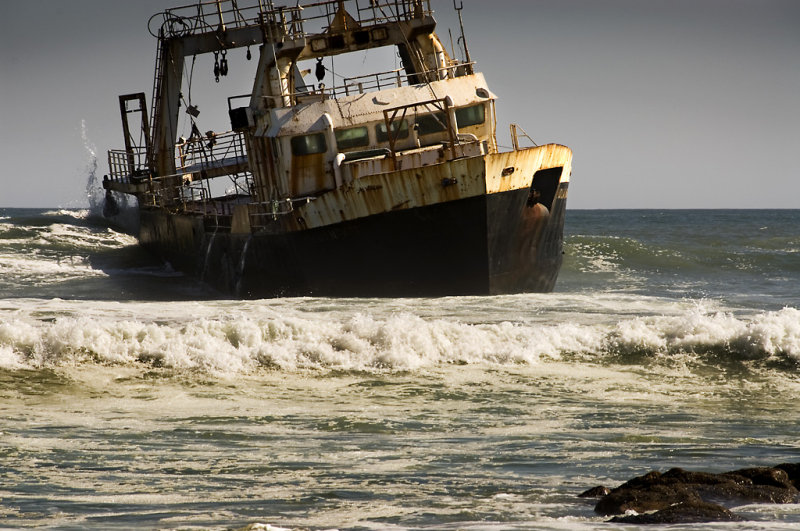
[(459, 7)]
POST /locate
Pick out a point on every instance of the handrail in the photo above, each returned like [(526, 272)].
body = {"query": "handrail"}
[(124, 165), (191, 155), (213, 15), (443, 104), (199, 152), (396, 77), (187, 196), (377, 81), (205, 16), (270, 210)]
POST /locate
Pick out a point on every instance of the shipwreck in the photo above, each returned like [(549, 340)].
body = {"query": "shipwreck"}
[(389, 183)]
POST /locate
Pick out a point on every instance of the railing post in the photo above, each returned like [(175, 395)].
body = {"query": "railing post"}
[(514, 139), (283, 19)]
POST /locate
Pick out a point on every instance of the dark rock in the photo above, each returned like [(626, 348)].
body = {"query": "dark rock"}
[(677, 487), (732, 491), (685, 477), (642, 481), (652, 498), (595, 492), (682, 513), (793, 471), (774, 477)]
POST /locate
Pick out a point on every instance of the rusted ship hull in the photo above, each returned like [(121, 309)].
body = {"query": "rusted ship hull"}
[(489, 244)]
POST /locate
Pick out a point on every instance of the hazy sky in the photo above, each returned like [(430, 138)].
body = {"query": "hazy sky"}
[(665, 103)]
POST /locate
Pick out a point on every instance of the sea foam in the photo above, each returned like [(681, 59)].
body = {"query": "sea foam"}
[(767, 334), (36, 271), (218, 340)]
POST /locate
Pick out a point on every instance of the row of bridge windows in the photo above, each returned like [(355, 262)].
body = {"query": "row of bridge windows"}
[(357, 137)]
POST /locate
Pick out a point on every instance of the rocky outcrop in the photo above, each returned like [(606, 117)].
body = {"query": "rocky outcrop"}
[(595, 492), (682, 496), (682, 513), (793, 471)]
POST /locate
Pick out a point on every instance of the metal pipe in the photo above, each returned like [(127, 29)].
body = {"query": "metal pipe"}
[(219, 12)]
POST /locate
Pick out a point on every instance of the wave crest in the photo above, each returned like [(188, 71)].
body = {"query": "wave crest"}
[(767, 335), (397, 342)]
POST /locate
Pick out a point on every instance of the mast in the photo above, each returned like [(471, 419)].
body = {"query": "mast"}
[(463, 39)]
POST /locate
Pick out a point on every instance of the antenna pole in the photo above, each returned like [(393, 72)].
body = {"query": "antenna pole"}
[(459, 7)]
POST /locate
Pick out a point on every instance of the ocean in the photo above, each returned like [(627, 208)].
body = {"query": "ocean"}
[(133, 397)]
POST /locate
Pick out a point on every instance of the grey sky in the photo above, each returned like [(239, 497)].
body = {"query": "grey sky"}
[(665, 103)]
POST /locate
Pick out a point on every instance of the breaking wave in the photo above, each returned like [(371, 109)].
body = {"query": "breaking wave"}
[(289, 341)]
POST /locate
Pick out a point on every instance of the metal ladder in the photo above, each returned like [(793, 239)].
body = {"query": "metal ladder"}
[(155, 100)]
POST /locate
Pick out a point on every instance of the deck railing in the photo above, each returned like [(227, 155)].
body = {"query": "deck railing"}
[(194, 197), (262, 214), (205, 16), (391, 78), (124, 166), (195, 154), (365, 83), (198, 153), (294, 21)]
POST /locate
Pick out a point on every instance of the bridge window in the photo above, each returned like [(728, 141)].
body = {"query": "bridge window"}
[(399, 130), (309, 144), (354, 137), (428, 124), (474, 115)]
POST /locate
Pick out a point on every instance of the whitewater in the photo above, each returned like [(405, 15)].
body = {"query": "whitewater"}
[(134, 397)]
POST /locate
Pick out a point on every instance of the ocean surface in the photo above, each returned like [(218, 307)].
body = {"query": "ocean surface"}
[(133, 397)]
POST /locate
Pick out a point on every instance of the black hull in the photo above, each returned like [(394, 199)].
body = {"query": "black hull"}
[(491, 244)]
